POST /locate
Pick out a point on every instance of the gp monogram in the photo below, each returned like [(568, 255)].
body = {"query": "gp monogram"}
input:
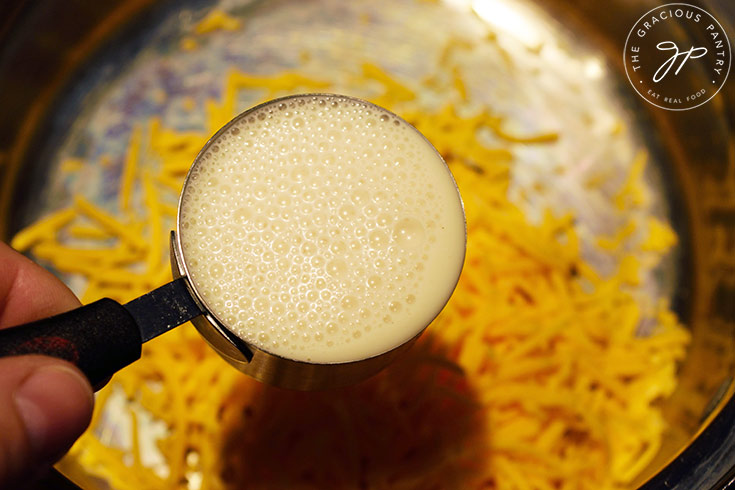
[(671, 75)]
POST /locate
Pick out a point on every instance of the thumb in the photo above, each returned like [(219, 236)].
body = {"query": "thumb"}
[(45, 404)]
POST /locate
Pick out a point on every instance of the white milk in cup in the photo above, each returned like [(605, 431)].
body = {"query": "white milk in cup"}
[(322, 229)]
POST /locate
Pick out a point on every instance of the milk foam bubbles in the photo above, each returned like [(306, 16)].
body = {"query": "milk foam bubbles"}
[(322, 228)]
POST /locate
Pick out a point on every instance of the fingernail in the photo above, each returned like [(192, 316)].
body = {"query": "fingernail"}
[(55, 404)]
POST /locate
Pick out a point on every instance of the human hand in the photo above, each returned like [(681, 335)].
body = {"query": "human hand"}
[(45, 403)]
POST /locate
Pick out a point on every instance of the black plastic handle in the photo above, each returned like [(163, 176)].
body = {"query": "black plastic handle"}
[(100, 338)]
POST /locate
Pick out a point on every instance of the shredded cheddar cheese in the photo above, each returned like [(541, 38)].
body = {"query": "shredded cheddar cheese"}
[(188, 44), (535, 376), (42, 230), (660, 236), (216, 20)]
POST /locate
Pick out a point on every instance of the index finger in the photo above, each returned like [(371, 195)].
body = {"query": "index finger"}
[(29, 292)]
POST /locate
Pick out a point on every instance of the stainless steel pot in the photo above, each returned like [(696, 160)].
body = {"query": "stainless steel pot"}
[(44, 44)]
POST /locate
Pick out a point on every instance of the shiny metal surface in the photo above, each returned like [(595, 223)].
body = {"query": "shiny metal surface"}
[(697, 149)]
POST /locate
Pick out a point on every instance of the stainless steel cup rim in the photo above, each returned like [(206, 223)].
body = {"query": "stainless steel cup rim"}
[(248, 357)]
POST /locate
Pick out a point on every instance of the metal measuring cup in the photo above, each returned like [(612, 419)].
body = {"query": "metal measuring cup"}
[(105, 336)]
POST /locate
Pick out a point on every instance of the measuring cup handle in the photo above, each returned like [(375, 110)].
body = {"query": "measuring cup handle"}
[(100, 339)]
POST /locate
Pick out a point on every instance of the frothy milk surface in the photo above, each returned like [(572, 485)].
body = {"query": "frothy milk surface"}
[(322, 229)]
